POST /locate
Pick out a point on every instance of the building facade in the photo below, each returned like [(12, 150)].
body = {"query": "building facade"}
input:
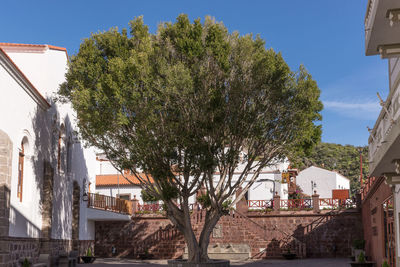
[(323, 181), (44, 169), (382, 37)]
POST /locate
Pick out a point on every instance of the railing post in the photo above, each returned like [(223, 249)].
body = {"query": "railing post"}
[(135, 204), (277, 202), (315, 202)]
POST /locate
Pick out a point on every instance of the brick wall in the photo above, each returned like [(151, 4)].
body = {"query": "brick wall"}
[(324, 235), (5, 181)]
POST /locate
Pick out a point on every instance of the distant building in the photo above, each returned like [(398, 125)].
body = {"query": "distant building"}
[(111, 182), (321, 180)]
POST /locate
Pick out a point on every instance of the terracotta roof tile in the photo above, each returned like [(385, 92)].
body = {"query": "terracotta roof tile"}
[(52, 47), (112, 179)]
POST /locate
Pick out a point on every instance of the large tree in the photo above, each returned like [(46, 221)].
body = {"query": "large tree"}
[(181, 104)]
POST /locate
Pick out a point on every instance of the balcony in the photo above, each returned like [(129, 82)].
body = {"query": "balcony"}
[(384, 140), (106, 208), (381, 26)]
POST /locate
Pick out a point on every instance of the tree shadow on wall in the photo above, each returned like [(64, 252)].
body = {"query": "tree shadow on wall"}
[(57, 161), (138, 239), (331, 234)]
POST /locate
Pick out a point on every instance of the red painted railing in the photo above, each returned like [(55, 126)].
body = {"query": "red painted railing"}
[(368, 184), (260, 204), (114, 204), (296, 203), (332, 203), (156, 207), (150, 207)]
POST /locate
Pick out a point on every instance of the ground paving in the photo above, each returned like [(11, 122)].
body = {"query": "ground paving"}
[(331, 262)]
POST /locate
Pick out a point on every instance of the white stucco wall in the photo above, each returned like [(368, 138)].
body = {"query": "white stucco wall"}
[(325, 180), (342, 182), (22, 117), (18, 110)]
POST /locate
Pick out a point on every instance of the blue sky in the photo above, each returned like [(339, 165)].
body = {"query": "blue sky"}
[(326, 36)]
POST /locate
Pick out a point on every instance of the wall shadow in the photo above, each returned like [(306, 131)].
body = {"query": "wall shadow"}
[(137, 239), (58, 161)]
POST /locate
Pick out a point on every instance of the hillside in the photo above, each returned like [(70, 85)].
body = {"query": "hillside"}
[(343, 159)]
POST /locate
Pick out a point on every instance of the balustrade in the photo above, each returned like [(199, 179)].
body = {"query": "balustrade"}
[(296, 203), (114, 204), (260, 204)]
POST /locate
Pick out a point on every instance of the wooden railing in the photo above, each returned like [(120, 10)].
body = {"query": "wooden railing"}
[(368, 184), (114, 204), (152, 208), (332, 203), (302, 204), (296, 203), (260, 204), (157, 207)]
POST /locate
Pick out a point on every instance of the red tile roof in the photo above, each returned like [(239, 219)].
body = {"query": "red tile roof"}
[(112, 179), (52, 47)]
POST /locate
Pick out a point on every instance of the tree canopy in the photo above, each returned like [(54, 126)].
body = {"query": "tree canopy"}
[(183, 103)]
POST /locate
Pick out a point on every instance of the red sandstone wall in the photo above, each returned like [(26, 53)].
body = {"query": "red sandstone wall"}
[(328, 236), (372, 216)]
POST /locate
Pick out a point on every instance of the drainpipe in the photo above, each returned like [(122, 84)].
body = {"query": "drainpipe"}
[(269, 180), (118, 182)]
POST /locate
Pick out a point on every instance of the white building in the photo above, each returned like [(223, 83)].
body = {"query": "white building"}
[(321, 180), (112, 183), (44, 169)]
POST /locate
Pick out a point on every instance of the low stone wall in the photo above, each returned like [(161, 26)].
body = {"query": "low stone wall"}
[(14, 248), (11, 249), (328, 234)]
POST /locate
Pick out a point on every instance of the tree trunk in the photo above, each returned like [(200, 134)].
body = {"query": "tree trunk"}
[(197, 249), (204, 240)]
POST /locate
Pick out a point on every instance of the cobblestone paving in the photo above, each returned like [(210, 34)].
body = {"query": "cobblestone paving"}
[(333, 262)]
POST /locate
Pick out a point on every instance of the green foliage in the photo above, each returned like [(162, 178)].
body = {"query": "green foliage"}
[(187, 100), (147, 197), (361, 257), (89, 252), (385, 264), (359, 243), (336, 157), (204, 200), (26, 263)]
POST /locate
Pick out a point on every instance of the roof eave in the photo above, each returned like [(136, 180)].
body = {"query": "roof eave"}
[(22, 80)]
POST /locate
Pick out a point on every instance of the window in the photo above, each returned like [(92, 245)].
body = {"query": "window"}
[(124, 196), (20, 171)]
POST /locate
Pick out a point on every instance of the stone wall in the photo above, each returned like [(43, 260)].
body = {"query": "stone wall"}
[(11, 249), (329, 234), (14, 248), (5, 182)]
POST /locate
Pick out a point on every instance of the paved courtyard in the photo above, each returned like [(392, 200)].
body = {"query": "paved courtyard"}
[(331, 262)]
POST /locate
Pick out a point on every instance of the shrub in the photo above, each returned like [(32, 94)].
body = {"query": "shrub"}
[(361, 257)]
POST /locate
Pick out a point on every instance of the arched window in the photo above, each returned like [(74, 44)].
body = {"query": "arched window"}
[(20, 171)]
